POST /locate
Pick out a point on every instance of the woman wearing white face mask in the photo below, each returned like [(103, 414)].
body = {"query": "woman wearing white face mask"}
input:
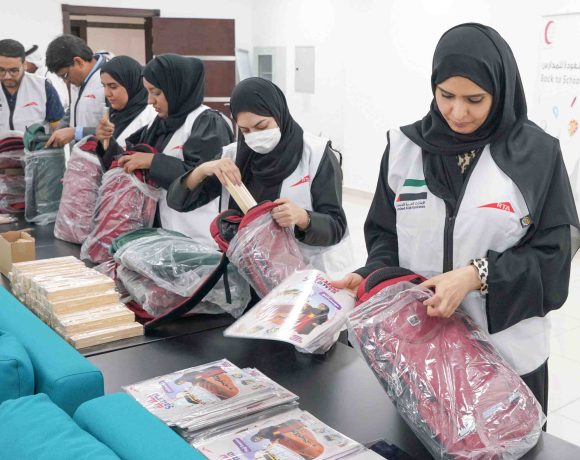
[(277, 161)]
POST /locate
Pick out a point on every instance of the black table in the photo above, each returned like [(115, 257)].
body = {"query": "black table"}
[(338, 387), (47, 247)]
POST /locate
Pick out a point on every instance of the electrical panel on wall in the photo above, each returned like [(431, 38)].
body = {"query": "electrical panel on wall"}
[(304, 69), (270, 63)]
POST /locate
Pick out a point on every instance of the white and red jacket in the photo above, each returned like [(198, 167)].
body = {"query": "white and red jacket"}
[(490, 216)]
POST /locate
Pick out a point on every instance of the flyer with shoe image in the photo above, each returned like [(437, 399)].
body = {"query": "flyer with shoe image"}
[(304, 310)]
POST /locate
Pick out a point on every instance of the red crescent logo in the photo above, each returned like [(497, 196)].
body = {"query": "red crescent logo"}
[(546, 31)]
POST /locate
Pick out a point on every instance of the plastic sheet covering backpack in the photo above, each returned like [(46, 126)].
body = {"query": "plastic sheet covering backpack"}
[(43, 173), (81, 182), (263, 252), (11, 150), (11, 193), (176, 268), (11, 172), (148, 301), (450, 385), (125, 202)]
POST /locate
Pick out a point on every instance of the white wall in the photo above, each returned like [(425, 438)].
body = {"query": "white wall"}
[(373, 62), (373, 57), (39, 21)]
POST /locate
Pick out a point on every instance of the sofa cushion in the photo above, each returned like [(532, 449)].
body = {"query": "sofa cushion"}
[(16, 372), (60, 371), (120, 422), (34, 428)]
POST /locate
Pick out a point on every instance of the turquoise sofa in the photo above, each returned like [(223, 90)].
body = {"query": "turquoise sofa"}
[(60, 371), (107, 428)]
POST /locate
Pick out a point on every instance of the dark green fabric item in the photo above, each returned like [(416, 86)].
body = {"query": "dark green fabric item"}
[(165, 255), (35, 137), (133, 235)]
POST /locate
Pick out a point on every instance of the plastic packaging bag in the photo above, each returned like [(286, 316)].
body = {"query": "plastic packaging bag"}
[(172, 262), (157, 301), (11, 150), (171, 268), (12, 185), (203, 395), (124, 203), (449, 384), (304, 310), (12, 193), (43, 175), (292, 435), (81, 182), (263, 252), (12, 159)]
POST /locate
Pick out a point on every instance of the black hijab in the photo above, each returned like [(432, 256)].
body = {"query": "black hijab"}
[(263, 174), (182, 81), (127, 72), (523, 151), (479, 53)]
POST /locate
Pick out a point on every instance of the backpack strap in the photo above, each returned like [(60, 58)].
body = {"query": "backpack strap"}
[(224, 227), (384, 277), (227, 223), (187, 305)]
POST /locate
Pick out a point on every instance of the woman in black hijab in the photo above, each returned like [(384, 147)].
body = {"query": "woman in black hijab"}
[(476, 197), (184, 133), (276, 161), (127, 97)]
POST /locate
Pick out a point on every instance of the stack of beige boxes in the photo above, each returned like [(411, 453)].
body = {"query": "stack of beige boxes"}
[(78, 302)]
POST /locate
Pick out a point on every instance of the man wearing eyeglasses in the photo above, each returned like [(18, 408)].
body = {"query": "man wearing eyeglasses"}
[(25, 99), (72, 60)]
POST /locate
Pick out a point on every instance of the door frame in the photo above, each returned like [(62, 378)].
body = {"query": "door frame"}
[(148, 15)]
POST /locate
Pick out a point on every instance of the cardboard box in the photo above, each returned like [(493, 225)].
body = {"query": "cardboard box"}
[(15, 247)]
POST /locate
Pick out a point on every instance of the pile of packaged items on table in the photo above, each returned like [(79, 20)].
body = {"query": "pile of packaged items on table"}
[(226, 413), (158, 270), (11, 172), (43, 173), (78, 302)]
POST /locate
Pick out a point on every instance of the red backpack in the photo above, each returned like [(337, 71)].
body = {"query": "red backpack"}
[(81, 182), (263, 252), (447, 381), (126, 202)]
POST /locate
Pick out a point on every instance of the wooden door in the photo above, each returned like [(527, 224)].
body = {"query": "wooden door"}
[(211, 40)]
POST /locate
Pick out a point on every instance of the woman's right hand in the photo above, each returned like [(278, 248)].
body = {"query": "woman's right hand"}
[(105, 130), (221, 169), (351, 282)]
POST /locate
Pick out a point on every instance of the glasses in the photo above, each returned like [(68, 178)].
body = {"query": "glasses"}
[(12, 72), (66, 75)]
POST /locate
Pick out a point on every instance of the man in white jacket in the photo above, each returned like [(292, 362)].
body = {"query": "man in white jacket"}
[(25, 99), (72, 60)]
